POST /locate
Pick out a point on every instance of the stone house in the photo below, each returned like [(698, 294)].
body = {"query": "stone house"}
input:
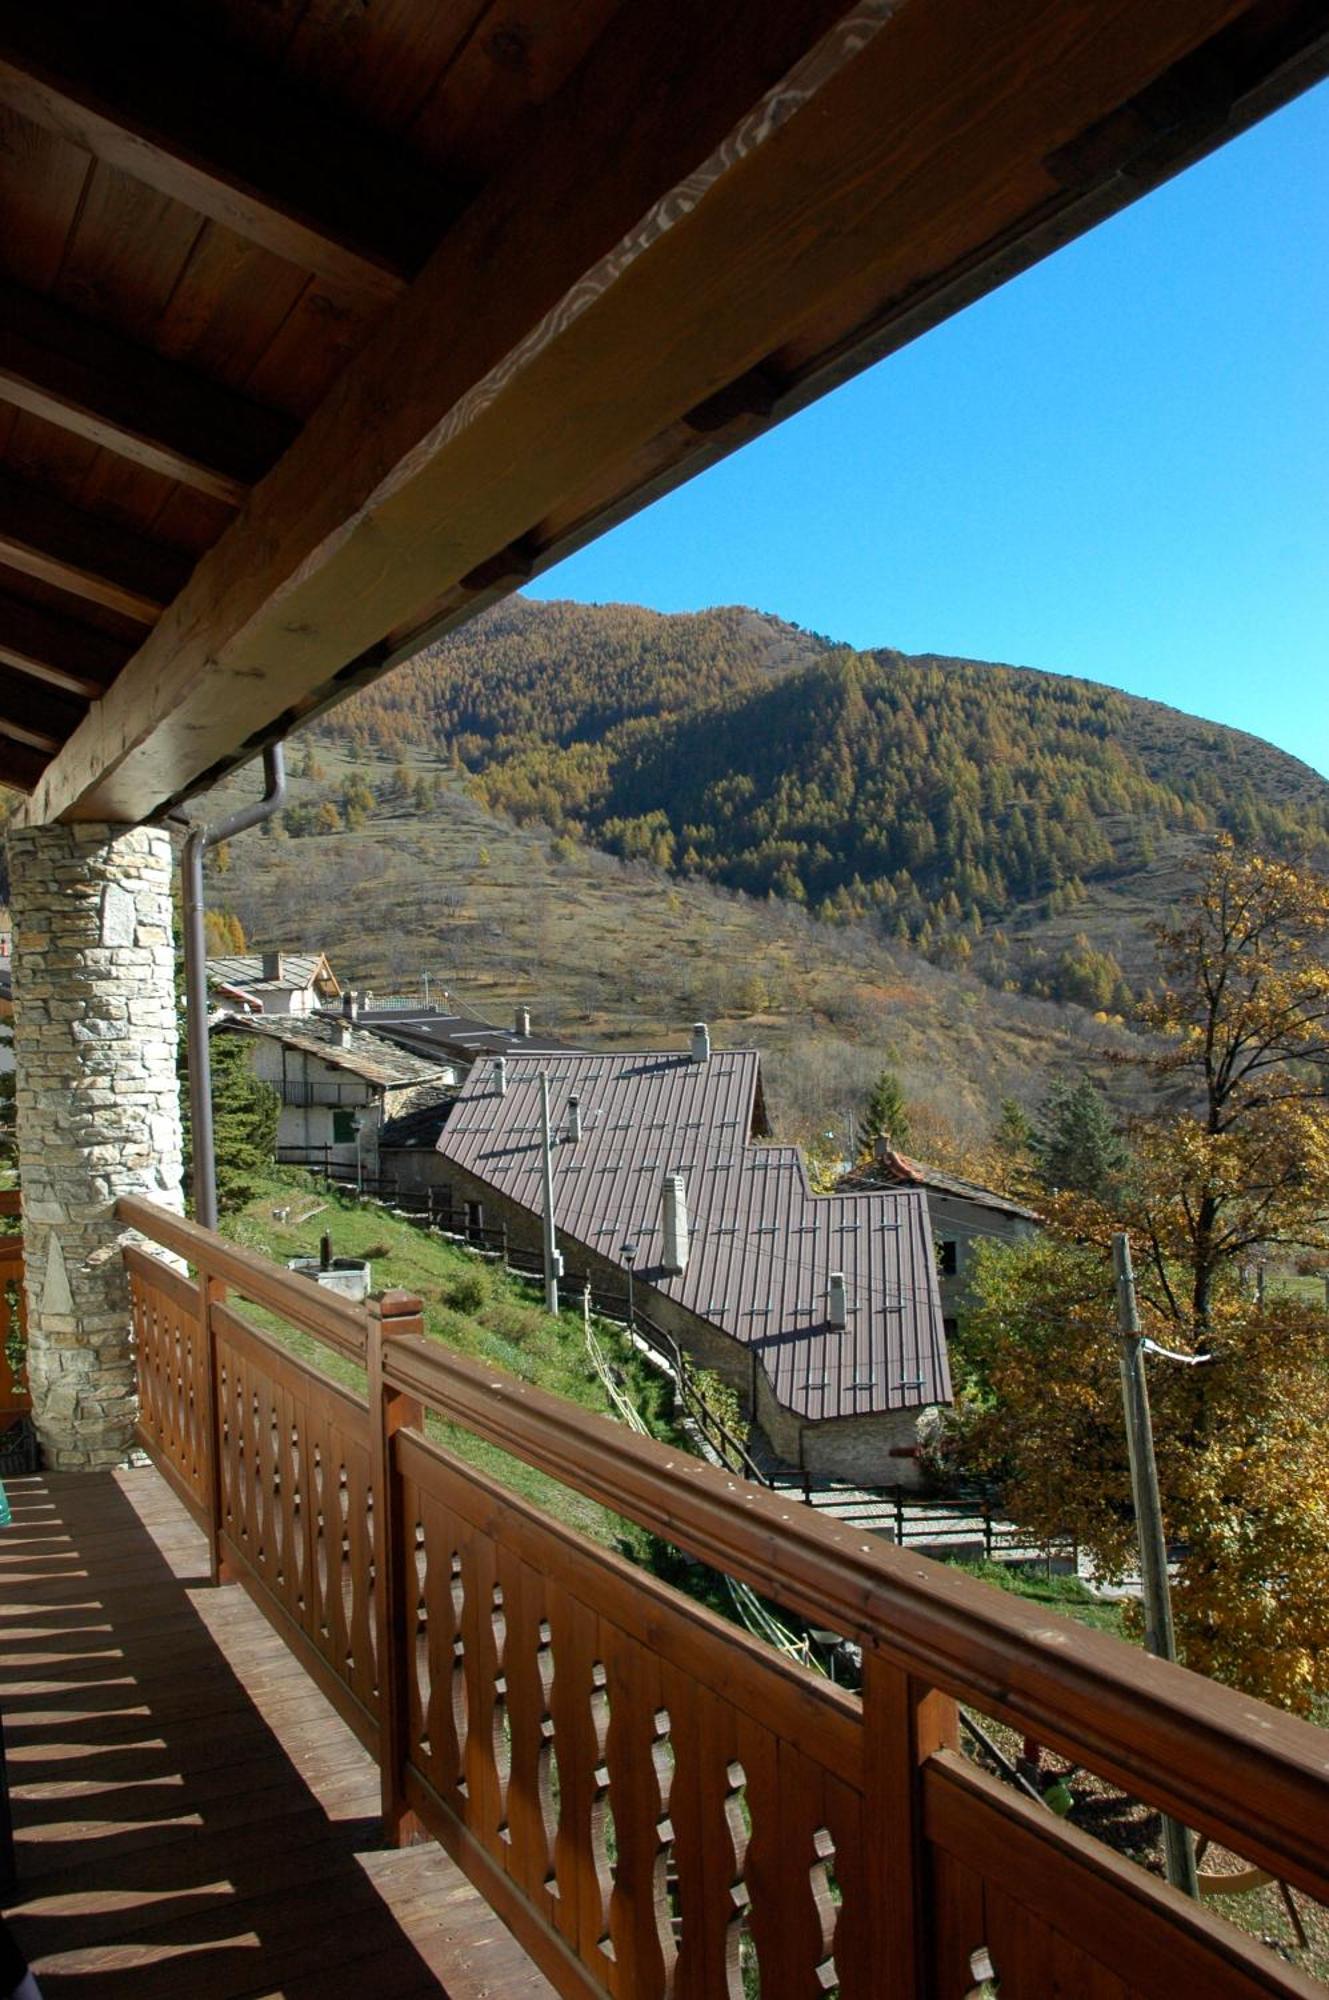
[(963, 1214), (340, 1087), (275, 982), (823, 1312)]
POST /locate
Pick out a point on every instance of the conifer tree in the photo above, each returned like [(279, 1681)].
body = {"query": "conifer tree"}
[(1076, 1144), (885, 1115)]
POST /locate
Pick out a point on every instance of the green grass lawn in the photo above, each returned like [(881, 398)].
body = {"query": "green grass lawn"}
[(475, 1308)]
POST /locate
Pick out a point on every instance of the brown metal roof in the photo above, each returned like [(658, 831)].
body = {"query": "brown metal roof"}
[(763, 1246)]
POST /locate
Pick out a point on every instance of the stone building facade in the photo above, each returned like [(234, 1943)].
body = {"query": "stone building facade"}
[(97, 1110)]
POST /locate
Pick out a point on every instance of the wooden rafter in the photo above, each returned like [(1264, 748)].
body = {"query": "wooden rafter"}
[(76, 375), (20, 765), (37, 716), (139, 88), (59, 651), (87, 556), (724, 211)]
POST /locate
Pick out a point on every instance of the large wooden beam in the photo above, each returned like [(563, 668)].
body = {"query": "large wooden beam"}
[(86, 555), (718, 194), (59, 651), (76, 375), (142, 89)]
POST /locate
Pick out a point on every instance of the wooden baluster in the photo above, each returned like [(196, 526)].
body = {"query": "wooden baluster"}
[(904, 1722), (391, 1317), (211, 1291)]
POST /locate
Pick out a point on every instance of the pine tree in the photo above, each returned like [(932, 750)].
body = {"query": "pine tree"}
[(245, 1114), (885, 1115), (1076, 1144)]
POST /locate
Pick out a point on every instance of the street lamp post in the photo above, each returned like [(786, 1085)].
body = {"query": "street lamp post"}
[(629, 1255)]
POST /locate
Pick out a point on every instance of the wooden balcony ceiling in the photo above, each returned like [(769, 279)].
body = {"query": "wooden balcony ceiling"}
[(324, 324)]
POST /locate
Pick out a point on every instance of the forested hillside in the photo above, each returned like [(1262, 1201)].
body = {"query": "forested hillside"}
[(959, 804)]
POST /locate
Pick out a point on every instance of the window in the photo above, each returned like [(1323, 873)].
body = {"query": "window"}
[(343, 1128), (948, 1257)]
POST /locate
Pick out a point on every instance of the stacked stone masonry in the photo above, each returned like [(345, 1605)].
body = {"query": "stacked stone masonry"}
[(98, 1112)]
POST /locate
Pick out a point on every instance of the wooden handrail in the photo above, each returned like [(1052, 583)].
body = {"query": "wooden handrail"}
[(305, 1303), (1217, 1761), (1248, 1774)]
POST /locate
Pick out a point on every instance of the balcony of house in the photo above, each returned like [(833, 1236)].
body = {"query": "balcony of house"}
[(437, 1735)]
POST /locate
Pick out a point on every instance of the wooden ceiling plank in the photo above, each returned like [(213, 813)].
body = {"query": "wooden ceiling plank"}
[(21, 767), (57, 650), (622, 271), (89, 557), (86, 380), (39, 716), (138, 89)]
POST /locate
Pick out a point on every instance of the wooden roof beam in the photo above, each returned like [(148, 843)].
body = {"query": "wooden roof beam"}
[(92, 558), (21, 767), (140, 88), (71, 373), (60, 651), (761, 193)]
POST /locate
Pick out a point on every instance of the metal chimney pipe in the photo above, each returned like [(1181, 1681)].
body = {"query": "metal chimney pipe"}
[(574, 1118), (523, 1024), (500, 1077), (701, 1042), (674, 1224), (838, 1302)]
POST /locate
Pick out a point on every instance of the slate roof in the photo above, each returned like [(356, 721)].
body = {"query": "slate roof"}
[(298, 970), (417, 1120), (897, 1170), (762, 1245), (360, 1051)]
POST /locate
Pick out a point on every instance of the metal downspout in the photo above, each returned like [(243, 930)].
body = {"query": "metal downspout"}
[(200, 838)]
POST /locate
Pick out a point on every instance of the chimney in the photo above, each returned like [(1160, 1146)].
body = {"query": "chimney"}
[(701, 1042), (574, 1118), (350, 1005), (500, 1077), (837, 1311), (523, 1024), (881, 1149), (341, 1034), (272, 965), (674, 1224)]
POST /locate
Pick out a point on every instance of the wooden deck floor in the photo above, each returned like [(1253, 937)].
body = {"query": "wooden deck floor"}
[(192, 1819)]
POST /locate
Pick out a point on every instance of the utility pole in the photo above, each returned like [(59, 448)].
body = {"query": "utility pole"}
[(552, 1259), (1159, 1638)]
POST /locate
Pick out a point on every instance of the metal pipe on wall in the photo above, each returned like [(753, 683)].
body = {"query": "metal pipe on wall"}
[(199, 839)]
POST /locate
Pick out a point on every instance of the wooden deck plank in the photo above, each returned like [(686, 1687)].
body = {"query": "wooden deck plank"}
[(190, 1815)]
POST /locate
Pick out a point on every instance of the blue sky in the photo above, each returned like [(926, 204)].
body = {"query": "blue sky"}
[(1115, 466)]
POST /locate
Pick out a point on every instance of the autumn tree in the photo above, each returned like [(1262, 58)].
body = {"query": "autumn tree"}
[(1245, 1015), (1242, 1448)]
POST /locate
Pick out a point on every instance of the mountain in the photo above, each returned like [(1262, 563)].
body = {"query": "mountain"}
[(1024, 824)]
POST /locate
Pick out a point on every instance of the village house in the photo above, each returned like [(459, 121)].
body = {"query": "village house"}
[(963, 1214), (340, 1087), (274, 982), (821, 1311)]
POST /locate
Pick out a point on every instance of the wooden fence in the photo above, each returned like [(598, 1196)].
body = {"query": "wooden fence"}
[(654, 1802)]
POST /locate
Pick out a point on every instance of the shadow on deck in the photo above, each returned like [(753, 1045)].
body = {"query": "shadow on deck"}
[(190, 1815)]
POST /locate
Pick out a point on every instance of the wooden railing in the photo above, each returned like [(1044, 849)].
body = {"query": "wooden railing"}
[(652, 1801)]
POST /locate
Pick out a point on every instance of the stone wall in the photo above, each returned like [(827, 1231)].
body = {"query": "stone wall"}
[(98, 1111)]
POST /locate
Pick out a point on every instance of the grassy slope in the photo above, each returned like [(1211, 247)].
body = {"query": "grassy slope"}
[(612, 954), (472, 1307)]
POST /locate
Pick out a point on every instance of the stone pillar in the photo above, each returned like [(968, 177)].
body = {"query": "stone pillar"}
[(98, 1111)]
